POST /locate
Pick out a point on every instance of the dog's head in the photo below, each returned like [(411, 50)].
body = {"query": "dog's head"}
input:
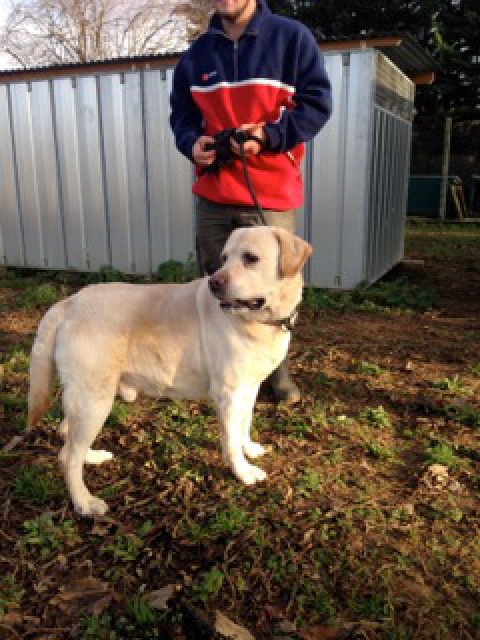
[(261, 276)]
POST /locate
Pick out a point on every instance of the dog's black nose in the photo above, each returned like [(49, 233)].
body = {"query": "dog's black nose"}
[(218, 283)]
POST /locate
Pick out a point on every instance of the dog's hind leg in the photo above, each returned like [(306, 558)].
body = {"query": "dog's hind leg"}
[(85, 413), (97, 456), (94, 456)]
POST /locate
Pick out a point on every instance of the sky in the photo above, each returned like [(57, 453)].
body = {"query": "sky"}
[(4, 10)]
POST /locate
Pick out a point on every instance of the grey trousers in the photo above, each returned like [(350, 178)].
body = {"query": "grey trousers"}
[(215, 222)]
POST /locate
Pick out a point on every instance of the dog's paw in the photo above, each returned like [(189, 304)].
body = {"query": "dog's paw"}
[(63, 428), (91, 506), (97, 456), (254, 450), (250, 474), (128, 394)]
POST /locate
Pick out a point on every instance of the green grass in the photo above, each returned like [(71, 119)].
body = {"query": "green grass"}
[(141, 612), (366, 368), (124, 548), (443, 242), (372, 607), (228, 522), (464, 414), (127, 547), (42, 537), (443, 454), (17, 361), (476, 370), (452, 385), (106, 274), (397, 294), (97, 627), (177, 272), (13, 401), (208, 585), (309, 483), (41, 295), (10, 595), (119, 414), (378, 451), (313, 603), (376, 417), (34, 485)]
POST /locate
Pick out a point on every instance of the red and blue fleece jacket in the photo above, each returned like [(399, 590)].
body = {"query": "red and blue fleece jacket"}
[(273, 74)]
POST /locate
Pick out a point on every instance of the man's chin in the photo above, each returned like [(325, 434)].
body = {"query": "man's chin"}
[(235, 15)]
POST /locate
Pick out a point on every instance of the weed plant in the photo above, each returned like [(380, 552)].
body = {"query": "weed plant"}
[(442, 453)]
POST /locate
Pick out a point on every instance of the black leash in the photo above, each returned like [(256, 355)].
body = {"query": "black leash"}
[(225, 157)]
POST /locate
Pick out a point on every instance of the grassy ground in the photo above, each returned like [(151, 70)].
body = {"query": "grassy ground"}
[(367, 526)]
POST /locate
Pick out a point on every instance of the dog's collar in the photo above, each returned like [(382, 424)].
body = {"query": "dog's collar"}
[(285, 324)]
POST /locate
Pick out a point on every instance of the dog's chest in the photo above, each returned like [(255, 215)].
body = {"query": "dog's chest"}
[(173, 371)]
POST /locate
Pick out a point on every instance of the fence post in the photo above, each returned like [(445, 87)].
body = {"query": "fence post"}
[(445, 167)]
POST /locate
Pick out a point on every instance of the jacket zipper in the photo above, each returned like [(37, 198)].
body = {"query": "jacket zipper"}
[(235, 49), (235, 61)]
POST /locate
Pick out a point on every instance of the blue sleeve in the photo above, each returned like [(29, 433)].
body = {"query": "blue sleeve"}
[(312, 100), (185, 117)]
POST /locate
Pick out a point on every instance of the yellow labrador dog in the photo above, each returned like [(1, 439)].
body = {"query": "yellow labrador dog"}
[(217, 337)]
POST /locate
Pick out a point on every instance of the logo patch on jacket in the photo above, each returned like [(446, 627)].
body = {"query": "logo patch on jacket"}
[(207, 76)]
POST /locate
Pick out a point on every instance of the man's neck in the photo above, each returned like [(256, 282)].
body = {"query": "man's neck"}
[(235, 28)]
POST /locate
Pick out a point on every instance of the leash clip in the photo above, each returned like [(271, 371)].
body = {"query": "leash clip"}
[(288, 323)]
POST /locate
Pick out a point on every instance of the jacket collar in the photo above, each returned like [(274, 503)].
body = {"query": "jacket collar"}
[(252, 27)]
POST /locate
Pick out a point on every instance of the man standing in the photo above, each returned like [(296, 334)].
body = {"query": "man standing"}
[(264, 74)]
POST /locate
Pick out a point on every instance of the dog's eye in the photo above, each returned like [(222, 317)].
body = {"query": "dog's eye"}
[(223, 258), (250, 258)]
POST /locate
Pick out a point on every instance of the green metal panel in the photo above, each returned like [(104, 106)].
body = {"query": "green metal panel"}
[(424, 194)]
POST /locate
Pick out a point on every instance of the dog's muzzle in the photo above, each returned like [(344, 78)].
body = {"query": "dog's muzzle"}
[(218, 284)]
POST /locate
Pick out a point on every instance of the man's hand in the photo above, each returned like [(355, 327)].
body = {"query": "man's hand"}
[(251, 147), (201, 156)]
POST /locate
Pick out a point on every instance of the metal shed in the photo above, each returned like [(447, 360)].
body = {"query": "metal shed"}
[(89, 174)]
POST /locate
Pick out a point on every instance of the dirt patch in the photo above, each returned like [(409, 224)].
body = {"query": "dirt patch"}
[(366, 527)]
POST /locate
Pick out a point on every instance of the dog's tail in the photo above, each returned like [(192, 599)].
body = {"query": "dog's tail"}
[(42, 364)]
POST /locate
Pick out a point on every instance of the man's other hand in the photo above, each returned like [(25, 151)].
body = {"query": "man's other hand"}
[(251, 147), (202, 156)]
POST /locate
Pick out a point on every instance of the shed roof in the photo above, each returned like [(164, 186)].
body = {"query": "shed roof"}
[(108, 65), (403, 50)]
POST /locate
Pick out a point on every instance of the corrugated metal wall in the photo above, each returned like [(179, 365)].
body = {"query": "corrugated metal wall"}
[(390, 163), (340, 156), (389, 168), (359, 167), (89, 176)]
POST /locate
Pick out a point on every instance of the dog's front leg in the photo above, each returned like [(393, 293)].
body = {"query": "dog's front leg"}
[(235, 410)]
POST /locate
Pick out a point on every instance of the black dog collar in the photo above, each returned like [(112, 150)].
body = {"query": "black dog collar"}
[(285, 324)]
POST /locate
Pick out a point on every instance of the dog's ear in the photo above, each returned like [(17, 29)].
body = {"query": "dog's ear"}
[(294, 252)]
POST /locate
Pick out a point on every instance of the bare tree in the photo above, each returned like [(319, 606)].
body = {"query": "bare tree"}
[(196, 15), (45, 32)]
